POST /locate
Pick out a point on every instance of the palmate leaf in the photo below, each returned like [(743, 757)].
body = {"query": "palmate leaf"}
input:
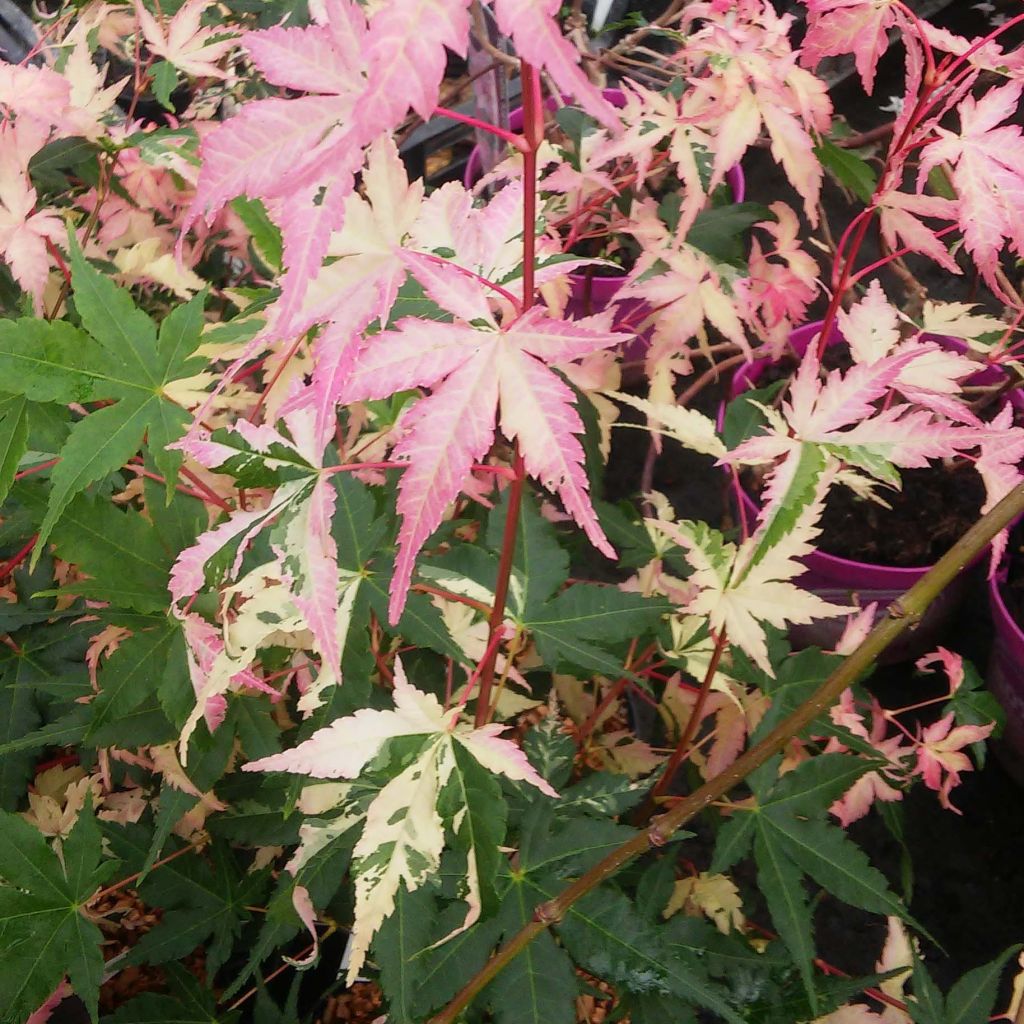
[(607, 937), (791, 839), (580, 623), (119, 355), (838, 27), (743, 590), (128, 676), (203, 896), (403, 836), (986, 175), (478, 373), (118, 550), (43, 932)]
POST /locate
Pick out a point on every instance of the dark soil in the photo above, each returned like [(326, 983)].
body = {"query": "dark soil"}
[(934, 508)]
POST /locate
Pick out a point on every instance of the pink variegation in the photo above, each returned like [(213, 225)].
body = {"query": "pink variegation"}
[(986, 161), (471, 372), (538, 39), (860, 27), (940, 757), (184, 43), (406, 58)]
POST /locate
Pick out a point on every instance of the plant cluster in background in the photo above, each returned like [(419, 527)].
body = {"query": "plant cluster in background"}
[(318, 632)]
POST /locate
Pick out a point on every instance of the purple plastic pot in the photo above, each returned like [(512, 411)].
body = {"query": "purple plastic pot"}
[(1005, 676), (589, 293), (845, 581)]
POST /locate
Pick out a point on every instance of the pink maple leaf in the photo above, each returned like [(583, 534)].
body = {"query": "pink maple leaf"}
[(987, 176), (184, 42), (860, 27), (406, 57), (471, 371), (900, 220), (743, 76), (303, 152), (539, 40), (24, 231), (940, 756)]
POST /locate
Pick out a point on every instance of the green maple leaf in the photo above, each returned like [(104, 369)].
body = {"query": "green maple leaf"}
[(576, 627), (792, 839), (204, 899), (44, 933), (118, 356)]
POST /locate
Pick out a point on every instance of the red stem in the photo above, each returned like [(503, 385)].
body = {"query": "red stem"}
[(693, 723), (995, 33), (533, 132), (495, 623), (906, 250), (491, 651), (354, 467), (18, 557), (36, 469), (510, 137)]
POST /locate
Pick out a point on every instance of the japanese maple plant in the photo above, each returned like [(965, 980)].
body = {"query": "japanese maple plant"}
[(318, 632)]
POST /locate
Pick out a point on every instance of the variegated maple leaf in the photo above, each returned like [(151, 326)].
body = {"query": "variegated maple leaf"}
[(360, 77), (742, 77), (403, 834), (302, 591), (24, 230), (684, 287), (940, 756), (840, 418), (986, 161), (900, 214), (781, 281), (538, 39), (689, 427), (933, 377), (860, 27), (365, 268), (742, 588), (473, 367), (184, 42)]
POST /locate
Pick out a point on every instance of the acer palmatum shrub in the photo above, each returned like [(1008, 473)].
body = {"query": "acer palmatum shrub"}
[(305, 633)]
